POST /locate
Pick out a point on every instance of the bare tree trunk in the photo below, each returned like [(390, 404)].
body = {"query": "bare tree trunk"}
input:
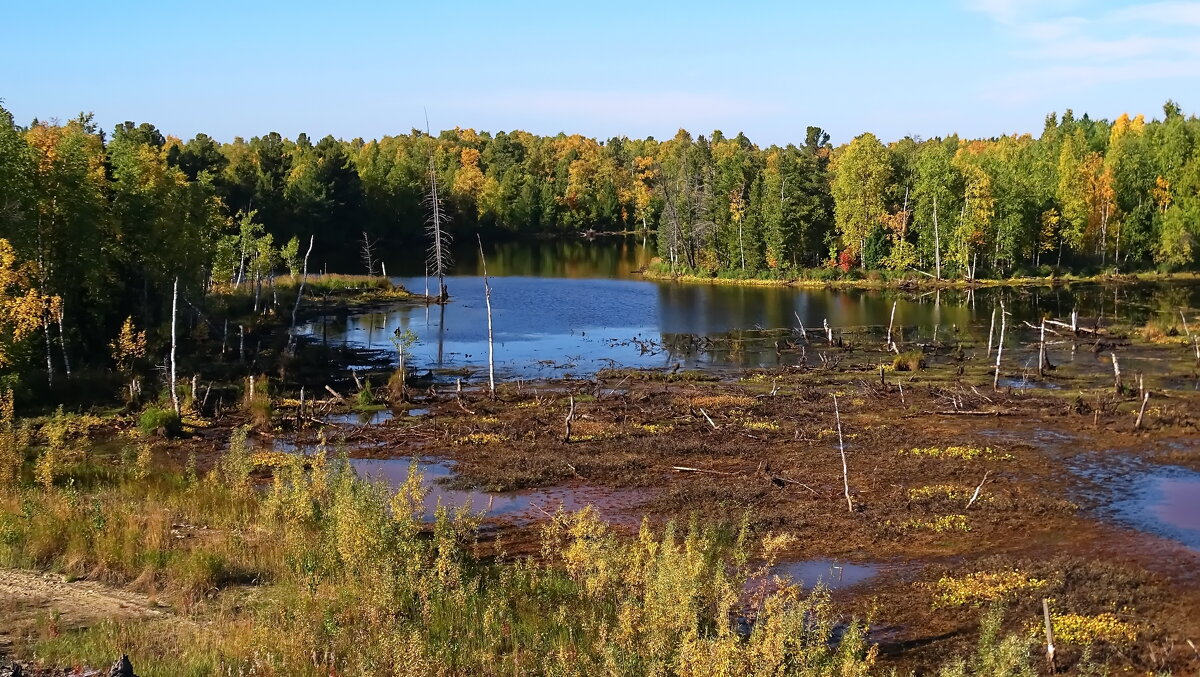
[(1142, 411), (842, 449), (1049, 636), (890, 344), (174, 308), (937, 242), (368, 254), (999, 349), (1042, 352), (439, 255), (991, 331), (62, 341), (299, 294), (49, 343), (567, 422), (487, 299)]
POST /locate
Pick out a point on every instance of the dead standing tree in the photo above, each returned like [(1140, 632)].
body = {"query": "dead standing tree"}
[(291, 344), (368, 254), (487, 299), (435, 228), (842, 450)]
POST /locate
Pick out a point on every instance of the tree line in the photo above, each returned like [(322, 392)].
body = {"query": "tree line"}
[(99, 226)]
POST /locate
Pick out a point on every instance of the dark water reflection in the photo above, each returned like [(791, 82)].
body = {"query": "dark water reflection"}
[(569, 308), (576, 258)]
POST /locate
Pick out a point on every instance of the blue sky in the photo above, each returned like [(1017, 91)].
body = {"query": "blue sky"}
[(975, 67)]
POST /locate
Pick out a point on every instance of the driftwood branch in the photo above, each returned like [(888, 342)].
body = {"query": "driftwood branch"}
[(975, 496), (684, 468)]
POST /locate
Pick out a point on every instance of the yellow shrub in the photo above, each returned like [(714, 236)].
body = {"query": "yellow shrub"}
[(980, 587), (965, 453)]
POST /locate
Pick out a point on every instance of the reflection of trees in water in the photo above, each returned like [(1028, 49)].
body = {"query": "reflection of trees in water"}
[(1134, 304), (571, 257), (743, 348)]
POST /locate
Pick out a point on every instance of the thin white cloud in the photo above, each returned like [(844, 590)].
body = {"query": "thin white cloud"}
[(1014, 11), (1057, 50), (1166, 13)]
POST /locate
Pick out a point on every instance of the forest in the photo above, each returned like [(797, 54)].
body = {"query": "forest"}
[(98, 227)]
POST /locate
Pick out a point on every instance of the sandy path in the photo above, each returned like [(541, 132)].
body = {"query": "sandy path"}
[(27, 595)]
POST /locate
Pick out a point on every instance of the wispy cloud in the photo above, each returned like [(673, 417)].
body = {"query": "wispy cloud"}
[(1068, 46), (1166, 13)]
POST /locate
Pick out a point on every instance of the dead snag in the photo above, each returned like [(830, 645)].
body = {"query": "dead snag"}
[(842, 449), (999, 349), (567, 422), (1142, 411), (1049, 635), (487, 299)]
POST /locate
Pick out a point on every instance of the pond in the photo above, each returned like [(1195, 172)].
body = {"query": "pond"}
[(515, 506), (574, 307), (1164, 500)]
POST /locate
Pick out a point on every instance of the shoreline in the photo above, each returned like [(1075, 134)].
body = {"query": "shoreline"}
[(911, 283)]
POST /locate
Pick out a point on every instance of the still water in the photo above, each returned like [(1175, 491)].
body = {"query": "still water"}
[(572, 307)]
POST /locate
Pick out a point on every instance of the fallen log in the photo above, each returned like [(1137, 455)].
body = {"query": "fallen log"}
[(684, 468)]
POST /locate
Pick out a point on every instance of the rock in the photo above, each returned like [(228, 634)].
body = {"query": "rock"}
[(122, 668)]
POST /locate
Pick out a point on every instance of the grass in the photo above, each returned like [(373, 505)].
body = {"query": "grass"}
[(913, 360), (331, 282), (256, 400), (317, 571), (668, 376), (351, 581)]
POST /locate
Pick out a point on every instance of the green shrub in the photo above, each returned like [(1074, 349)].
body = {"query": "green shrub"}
[(160, 421), (913, 360), (365, 397), (257, 400)]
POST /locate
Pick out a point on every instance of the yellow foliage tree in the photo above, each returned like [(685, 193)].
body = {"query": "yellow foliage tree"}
[(129, 346), (469, 180), (23, 308)]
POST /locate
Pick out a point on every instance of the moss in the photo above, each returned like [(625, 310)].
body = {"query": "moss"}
[(160, 421)]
